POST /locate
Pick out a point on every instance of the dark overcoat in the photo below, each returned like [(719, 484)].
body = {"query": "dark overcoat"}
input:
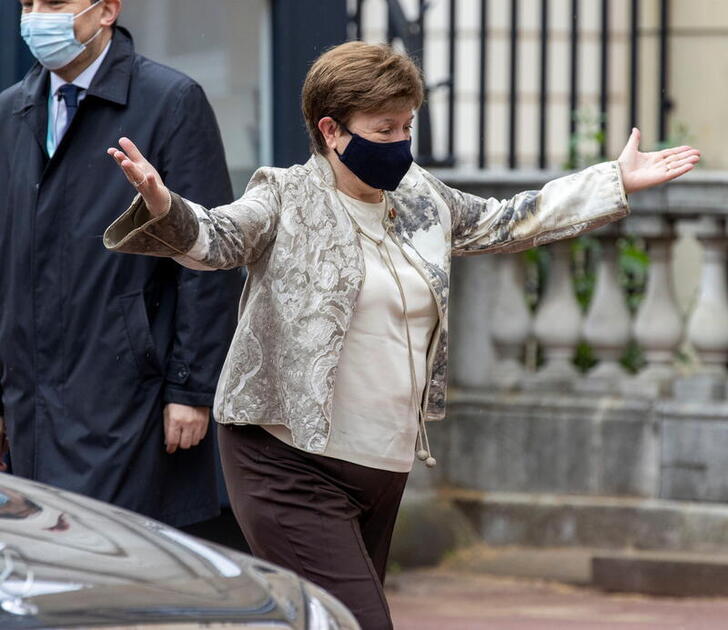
[(93, 343)]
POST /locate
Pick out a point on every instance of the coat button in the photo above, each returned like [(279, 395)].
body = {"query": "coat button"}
[(182, 373)]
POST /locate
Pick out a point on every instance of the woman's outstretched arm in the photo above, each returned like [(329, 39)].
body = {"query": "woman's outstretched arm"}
[(161, 223), (564, 207)]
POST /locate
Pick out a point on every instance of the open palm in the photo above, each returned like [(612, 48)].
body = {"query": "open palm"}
[(643, 170), (142, 175)]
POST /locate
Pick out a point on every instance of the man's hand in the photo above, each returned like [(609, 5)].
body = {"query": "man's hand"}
[(184, 426), (4, 447)]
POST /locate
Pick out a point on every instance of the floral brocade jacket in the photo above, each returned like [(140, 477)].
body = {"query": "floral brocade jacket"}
[(306, 267)]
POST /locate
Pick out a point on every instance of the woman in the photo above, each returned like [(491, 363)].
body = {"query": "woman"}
[(340, 352)]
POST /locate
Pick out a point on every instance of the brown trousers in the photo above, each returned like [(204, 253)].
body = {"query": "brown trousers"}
[(328, 520)]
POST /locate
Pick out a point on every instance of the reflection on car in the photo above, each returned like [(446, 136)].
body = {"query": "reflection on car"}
[(67, 561)]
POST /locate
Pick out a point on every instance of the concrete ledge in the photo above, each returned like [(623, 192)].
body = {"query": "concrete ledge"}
[(572, 565), (675, 574), (661, 574), (699, 192), (576, 444), (585, 445), (550, 520)]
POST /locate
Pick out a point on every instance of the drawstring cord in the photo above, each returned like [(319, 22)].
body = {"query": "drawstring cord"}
[(423, 443)]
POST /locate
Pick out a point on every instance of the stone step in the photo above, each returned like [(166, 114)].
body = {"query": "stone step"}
[(672, 574), (661, 573), (567, 565), (551, 520), (676, 548)]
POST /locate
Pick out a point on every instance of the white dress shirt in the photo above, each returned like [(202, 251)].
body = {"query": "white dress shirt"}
[(57, 114)]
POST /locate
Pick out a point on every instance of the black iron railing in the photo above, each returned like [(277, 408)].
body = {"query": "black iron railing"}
[(413, 34)]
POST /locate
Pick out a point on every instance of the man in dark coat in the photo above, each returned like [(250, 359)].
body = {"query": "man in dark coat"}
[(108, 363)]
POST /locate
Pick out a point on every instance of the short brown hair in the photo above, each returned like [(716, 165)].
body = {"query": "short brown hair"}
[(358, 77)]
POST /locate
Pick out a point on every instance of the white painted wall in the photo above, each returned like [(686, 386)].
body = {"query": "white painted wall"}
[(220, 44)]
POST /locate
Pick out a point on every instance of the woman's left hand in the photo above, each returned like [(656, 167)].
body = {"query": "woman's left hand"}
[(644, 170)]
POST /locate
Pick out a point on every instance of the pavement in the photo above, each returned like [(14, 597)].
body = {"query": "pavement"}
[(457, 599)]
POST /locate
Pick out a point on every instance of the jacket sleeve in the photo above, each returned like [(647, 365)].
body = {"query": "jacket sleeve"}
[(563, 208), (223, 237), (192, 161)]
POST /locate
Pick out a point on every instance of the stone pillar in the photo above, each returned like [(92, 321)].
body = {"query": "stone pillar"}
[(658, 326), (607, 323), (510, 321), (707, 329), (557, 325)]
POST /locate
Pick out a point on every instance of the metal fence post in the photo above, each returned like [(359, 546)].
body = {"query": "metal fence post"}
[(302, 30)]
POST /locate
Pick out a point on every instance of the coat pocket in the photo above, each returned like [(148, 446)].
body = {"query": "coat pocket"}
[(139, 334)]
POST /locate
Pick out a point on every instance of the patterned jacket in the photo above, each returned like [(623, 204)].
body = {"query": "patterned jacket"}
[(306, 267)]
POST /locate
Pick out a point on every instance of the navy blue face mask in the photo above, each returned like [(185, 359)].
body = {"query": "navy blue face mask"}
[(377, 164)]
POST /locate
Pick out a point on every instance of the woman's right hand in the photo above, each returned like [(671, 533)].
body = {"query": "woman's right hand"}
[(143, 176)]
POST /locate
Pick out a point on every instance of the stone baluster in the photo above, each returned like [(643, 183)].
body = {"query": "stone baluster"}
[(510, 321), (707, 329), (607, 324), (472, 361), (658, 325), (557, 324)]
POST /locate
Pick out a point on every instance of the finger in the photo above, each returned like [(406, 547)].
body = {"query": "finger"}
[(679, 168), (675, 173), (195, 436), (186, 436), (131, 150), (119, 156), (134, 174), (172, 437), (683, 155), (146, 185), (634, 139), (675, 150), (675, 163)]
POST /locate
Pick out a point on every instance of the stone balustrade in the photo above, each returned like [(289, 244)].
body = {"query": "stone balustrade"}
[(526, 424), (684, 345)]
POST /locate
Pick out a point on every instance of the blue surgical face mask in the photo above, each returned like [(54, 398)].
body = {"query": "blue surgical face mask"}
[(51, 38), (377, 164)]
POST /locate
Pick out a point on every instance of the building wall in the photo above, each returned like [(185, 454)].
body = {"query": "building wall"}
[(225, 45), (222, 45), (698, 75)]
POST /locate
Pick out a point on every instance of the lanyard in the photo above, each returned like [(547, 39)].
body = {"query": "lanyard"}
[(423, 445)]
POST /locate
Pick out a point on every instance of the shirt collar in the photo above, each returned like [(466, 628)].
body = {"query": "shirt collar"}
[(84, 79)]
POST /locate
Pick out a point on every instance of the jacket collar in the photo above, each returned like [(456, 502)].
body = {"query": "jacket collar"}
[(321, 166), (111, 82)]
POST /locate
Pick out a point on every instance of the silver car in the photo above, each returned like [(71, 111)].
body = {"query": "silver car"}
[(67, 561)]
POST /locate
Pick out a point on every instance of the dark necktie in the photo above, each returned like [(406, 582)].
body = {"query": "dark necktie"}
[(69, 93)]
